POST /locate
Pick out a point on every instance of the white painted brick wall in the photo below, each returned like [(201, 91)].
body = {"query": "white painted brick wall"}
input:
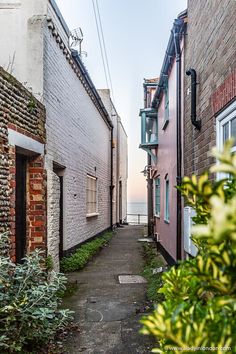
[(77, 136), (120, 158), (105, 96), (78, 139), (53, 208)]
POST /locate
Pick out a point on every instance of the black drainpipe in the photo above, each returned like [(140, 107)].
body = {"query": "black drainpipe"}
[(179, 144), (195, 122), (111, 186)]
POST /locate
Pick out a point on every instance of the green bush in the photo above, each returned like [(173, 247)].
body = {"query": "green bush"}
[(29, 305), (199, 311), (84, 253)]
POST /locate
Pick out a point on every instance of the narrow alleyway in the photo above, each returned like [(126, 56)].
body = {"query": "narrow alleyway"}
[(108, 312)]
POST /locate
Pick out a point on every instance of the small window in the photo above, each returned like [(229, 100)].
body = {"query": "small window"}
[(91, 195), (167, 196), (157, 197), (226, 129)]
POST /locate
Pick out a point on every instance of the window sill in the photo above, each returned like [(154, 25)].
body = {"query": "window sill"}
[(91, 215), (166, 221), (157, 216), (166, 122)]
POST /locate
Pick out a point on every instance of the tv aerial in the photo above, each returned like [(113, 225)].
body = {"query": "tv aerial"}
[(75, 40)]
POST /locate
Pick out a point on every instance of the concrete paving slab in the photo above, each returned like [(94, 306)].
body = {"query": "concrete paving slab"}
[(108, 312), (131, 279)]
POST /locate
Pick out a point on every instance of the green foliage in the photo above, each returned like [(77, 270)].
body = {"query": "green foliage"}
[(199, 310), (84, 253), (49, 263), (29, 313), (32, 105), (152, 261)]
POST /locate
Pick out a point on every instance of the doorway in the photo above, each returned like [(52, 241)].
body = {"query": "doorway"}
[(20, 206), (59, 172)]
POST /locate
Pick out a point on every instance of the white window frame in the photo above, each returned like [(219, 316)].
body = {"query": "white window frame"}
[(157, 214), (224, 117), (167, 201), (89, 212)]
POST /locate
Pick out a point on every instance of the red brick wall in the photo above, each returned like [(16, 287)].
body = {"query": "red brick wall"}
[(211, 51), (20, 111), (36, 203), (225, 93)]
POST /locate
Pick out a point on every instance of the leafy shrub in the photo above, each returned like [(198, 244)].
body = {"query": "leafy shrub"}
[(84, 253), (199, 310), (29, 305)]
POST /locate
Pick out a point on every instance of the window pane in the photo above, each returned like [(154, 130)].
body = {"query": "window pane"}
[(167, 201), (225, 132), (91, 195), (157, 196), (233, 130)]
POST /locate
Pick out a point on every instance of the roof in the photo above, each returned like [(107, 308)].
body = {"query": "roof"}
[(81, 66), (178, 28)]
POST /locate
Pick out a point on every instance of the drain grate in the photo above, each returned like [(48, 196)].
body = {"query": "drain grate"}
[(131, 279)]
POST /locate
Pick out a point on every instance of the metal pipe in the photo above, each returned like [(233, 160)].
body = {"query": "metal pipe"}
[(178, 144), (195, 122), (111, 186), (150, 197)]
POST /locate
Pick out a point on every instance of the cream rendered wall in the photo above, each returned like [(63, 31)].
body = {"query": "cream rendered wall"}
[(123, 168), (21, 41)]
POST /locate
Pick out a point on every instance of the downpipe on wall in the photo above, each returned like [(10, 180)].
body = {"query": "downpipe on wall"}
[(111, 182), (197, 123), (179, 143)]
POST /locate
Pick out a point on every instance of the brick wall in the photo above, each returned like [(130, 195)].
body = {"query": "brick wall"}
[(78, 139), (21, 112), (211, 51)]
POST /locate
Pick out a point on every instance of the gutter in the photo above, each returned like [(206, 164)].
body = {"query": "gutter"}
[(174, 50), (176, 35), (177, 28), (84, 72), (77, 59), (60, 17)]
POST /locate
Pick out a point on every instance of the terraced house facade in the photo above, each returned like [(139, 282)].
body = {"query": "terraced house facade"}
[(193, 110), (23, 195), (79, 130)]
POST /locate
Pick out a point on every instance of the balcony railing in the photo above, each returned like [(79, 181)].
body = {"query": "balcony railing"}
[(149, 129), (137, 219)]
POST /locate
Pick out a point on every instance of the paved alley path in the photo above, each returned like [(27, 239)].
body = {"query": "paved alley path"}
[(107, 311)]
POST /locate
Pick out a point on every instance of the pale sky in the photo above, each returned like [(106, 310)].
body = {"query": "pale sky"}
[(136, 34)]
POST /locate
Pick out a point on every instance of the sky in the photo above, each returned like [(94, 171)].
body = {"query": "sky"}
[(136, 34)]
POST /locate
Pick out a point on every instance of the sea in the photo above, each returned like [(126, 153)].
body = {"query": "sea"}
[(137, 213)]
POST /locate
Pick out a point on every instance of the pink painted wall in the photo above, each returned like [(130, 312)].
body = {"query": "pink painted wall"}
[(166, 164)]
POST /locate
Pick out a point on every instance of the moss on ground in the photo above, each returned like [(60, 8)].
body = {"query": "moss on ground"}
[(84, 253), (153, 260)]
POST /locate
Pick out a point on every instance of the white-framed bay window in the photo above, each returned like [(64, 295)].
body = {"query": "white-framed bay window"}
[(91, 196), (226, 129)]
